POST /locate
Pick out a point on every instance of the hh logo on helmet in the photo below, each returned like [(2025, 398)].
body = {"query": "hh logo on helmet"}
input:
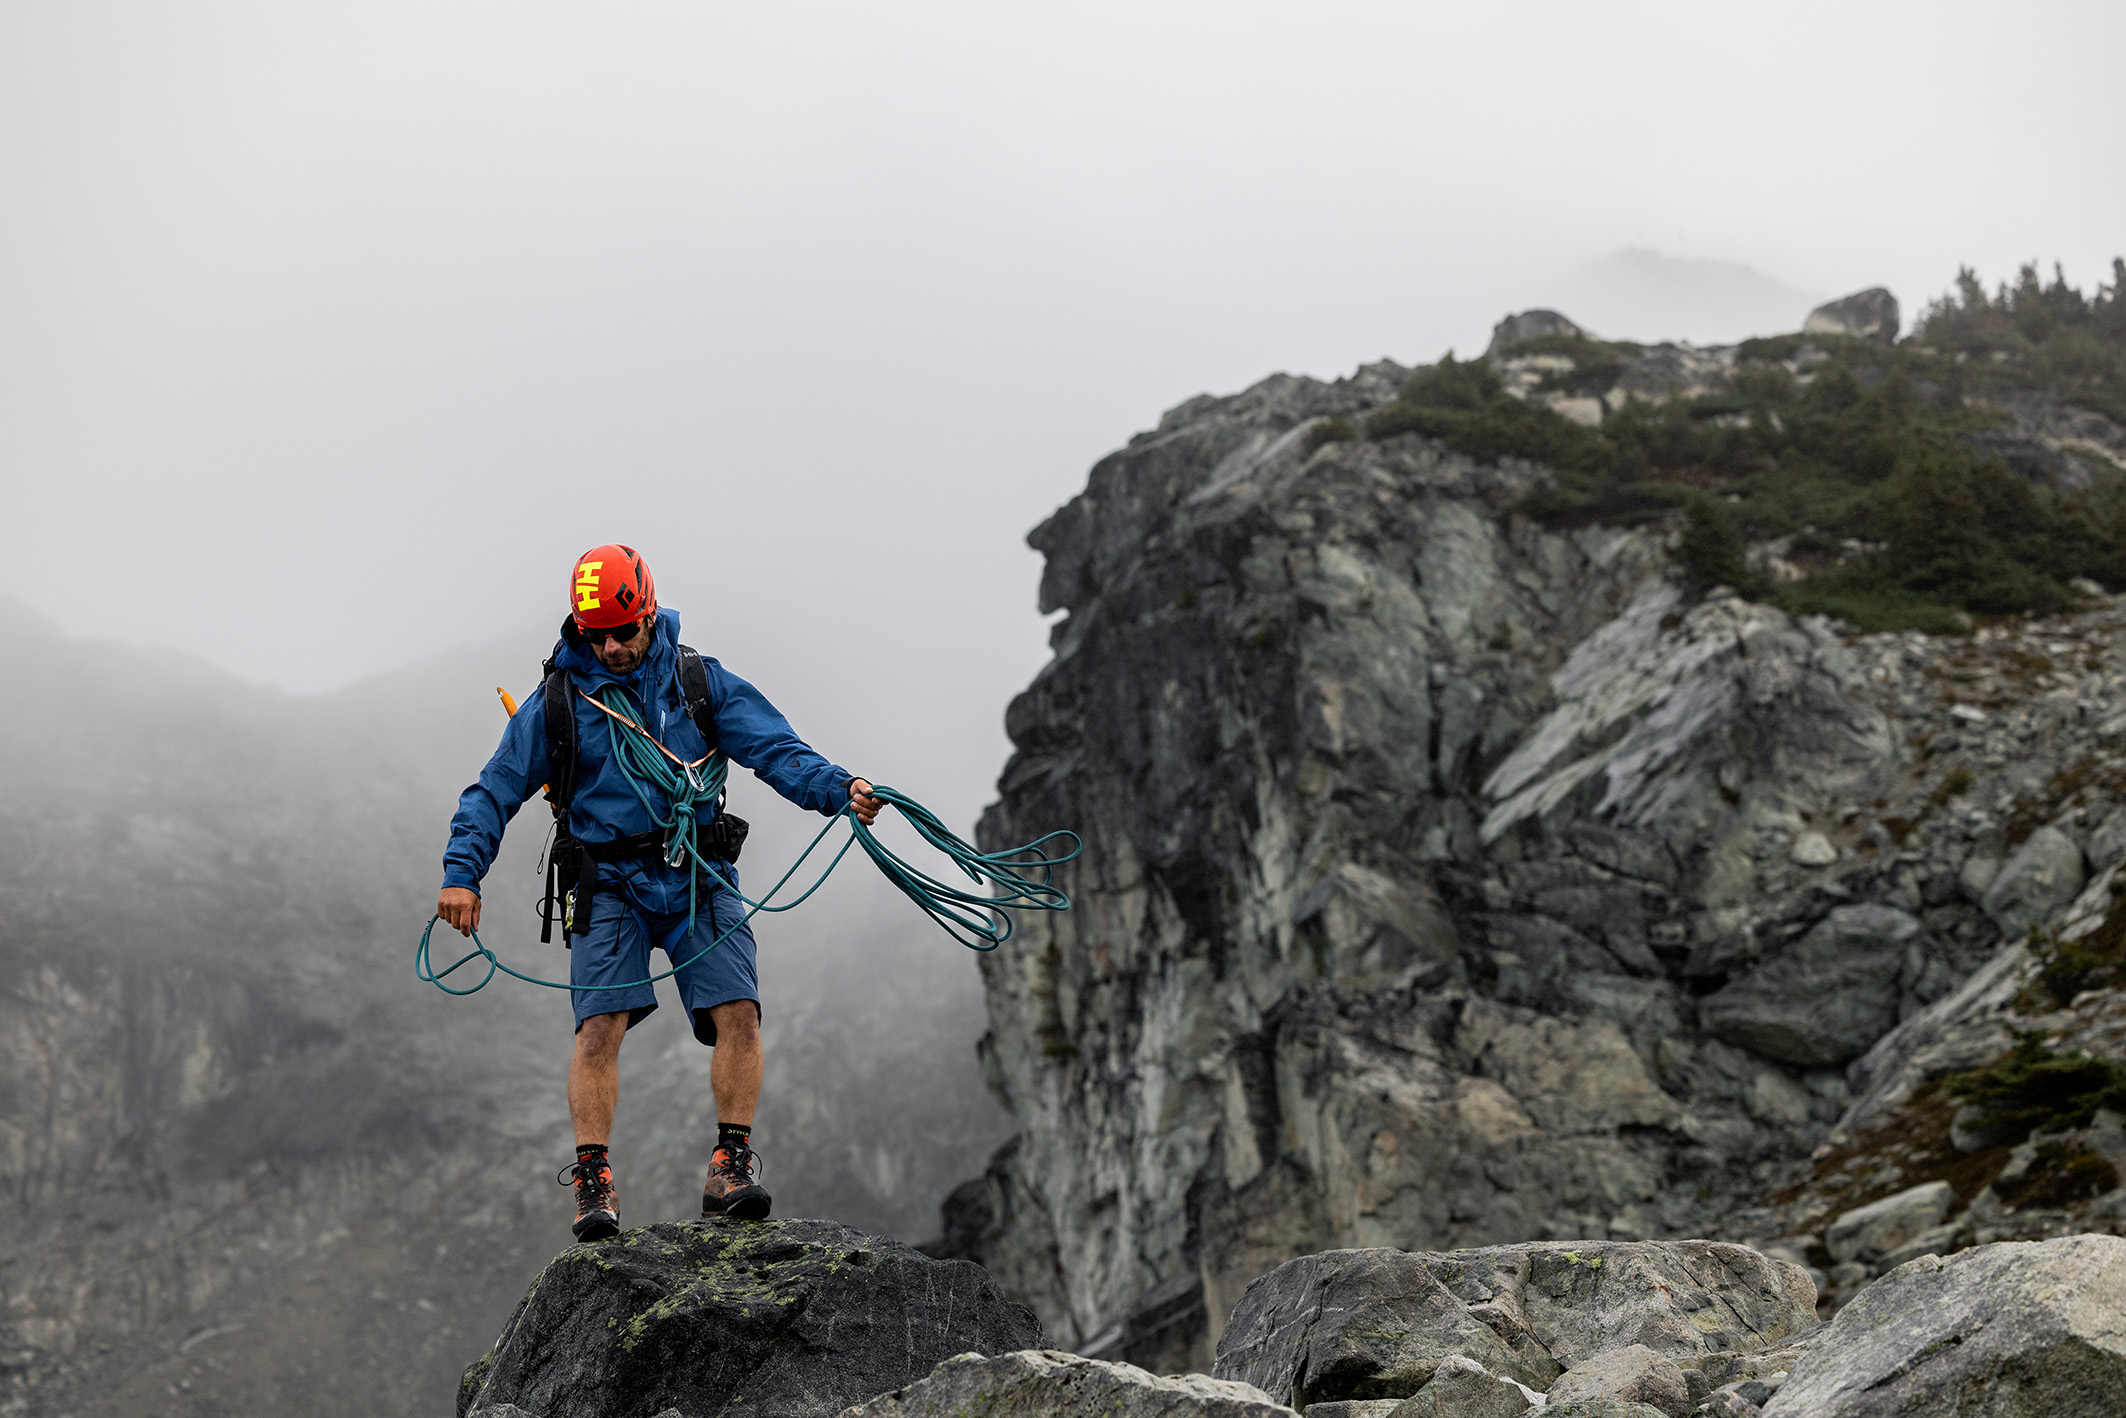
[(587, 585), (607, 598)]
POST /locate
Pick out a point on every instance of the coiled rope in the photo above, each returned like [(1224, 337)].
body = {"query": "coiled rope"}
[(976, 916)]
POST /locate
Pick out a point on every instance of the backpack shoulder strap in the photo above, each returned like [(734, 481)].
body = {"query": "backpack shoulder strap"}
[(694, 688), (560, 740)]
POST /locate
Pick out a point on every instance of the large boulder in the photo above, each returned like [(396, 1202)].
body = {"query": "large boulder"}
[(1633, 1374), (1368, 1324), (1871, 314), (1042, 1383), (1529, 325), (1873, 1231), (2023, 1329), (2043, 876), (739, 1319), (1826, 1000)]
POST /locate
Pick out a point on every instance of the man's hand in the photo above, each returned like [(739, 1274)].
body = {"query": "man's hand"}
[(867, 807), (460, 908)]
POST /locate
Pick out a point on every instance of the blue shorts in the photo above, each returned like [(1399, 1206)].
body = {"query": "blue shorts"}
[(646, 909)]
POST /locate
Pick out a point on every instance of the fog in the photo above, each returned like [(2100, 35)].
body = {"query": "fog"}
[(330, 334)]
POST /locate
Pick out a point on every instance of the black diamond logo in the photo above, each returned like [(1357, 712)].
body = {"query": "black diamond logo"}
[(625, 597)]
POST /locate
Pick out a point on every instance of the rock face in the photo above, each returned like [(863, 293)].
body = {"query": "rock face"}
[(1870, 314), (1380, 1324), (1451, 882), (1046, 1384), (781, 1318), (2035, 1328), (1826, 1000)]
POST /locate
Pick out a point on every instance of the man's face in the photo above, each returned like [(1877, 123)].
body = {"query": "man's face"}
[(621, 648)]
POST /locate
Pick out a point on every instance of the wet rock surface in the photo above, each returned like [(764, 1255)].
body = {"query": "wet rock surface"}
[(781, 1318), (1047, 1384)]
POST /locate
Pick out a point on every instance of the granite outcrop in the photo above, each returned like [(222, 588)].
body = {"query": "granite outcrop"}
[(780, 1319), (1453, 879)]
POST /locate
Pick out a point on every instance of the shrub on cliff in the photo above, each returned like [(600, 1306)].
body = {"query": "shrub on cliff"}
[(1870, 460), (1710, 550), (2048, 337)]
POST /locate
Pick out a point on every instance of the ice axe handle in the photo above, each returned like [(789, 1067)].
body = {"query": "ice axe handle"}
[(511, 706)]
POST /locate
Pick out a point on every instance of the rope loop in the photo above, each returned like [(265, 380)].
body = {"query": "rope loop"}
[(1015, 879)]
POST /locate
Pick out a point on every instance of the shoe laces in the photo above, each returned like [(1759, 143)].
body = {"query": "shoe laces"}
[(593, 1182), (736, 1164)]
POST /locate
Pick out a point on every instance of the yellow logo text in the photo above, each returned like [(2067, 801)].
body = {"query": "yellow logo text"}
[(587, 585)]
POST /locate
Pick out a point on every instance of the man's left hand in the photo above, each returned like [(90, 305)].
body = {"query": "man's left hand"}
[(867, 807)]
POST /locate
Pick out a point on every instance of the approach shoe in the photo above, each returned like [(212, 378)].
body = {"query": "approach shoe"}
[(731, 1190), (597, 1199)]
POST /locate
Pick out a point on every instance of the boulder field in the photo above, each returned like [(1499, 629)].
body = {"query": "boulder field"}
[(800, 1319)]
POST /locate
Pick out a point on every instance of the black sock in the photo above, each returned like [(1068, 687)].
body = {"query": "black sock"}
[(590, 1152), (734, 1134)]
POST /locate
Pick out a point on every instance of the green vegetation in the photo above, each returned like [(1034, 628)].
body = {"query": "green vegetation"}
[(2068, 967), (2030, 1089), (2037, 336), (1330, 430), (1710, 548), (2062, 1174), (1857, 452)]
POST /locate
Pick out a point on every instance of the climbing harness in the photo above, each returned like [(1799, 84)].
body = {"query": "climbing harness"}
[(976, 918)]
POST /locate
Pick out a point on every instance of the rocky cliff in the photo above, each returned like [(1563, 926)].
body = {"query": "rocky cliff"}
[(1455, 877)]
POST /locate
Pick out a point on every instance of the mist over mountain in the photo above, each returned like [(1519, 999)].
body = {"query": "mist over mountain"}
[(255, 1164), (1638, 294)]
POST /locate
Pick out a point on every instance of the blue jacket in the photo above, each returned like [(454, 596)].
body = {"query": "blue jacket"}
[(749, 731)]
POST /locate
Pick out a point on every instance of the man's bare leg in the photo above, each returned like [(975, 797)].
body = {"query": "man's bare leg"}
[(594, 1077), (735, 1069)]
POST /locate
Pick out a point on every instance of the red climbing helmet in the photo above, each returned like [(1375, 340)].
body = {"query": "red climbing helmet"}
[(611, 586)]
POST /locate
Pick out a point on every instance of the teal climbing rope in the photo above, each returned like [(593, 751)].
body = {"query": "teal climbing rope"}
[(977, 915)]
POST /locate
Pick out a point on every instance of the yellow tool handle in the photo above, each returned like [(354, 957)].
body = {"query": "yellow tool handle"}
[(511, 706)]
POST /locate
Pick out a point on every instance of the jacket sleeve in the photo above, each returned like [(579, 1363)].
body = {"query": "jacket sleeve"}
[(752, 733), (518, 769)]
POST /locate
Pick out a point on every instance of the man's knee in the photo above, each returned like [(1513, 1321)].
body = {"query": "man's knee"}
[(601, 1033), (735, 1021)]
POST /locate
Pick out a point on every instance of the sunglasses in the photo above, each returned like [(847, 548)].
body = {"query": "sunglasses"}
[(625, 634)]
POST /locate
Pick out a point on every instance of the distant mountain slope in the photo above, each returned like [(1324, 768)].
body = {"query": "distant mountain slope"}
[(250, 1155)]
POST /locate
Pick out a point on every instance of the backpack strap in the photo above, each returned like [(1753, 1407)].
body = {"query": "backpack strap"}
[(560, 741), (694, 688), (562, 866), (726, 835)]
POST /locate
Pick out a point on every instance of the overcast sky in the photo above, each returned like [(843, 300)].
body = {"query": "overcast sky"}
[(329, 334)]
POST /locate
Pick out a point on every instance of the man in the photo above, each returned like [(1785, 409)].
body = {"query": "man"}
[(620, 826)]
